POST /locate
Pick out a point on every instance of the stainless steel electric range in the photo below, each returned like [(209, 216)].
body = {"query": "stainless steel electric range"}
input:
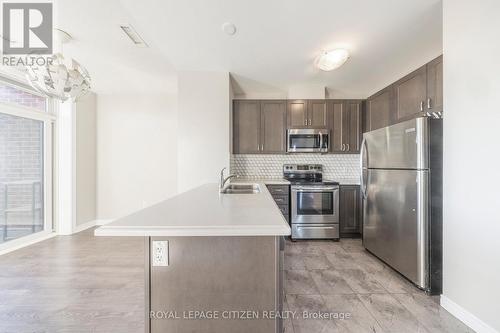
[(314, 202)]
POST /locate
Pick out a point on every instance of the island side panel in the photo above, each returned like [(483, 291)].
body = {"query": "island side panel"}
[(147, 276), (280, 280), (215, 275)]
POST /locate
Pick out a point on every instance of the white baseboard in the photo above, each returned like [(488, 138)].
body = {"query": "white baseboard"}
[(103, 222), (32, 239), (84, 226), (465, 316), (91, 224), (26, 241)]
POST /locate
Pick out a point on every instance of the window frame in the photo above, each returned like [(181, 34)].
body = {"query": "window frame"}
[(48, 118), (17, 84)]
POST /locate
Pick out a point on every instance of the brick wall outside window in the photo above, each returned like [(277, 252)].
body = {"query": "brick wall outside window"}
[(12, 95), (21, 159)]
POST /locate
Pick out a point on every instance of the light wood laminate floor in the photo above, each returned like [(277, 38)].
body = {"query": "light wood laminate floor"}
[(78, 283), (83, 283)]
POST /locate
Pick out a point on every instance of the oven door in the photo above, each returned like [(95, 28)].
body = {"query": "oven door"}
[(308, 140), (315, 204)]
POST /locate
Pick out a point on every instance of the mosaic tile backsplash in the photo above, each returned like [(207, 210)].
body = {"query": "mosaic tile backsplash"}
[(271, 166)]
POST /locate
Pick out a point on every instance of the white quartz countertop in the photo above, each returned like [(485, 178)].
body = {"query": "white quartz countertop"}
[(203, 211)]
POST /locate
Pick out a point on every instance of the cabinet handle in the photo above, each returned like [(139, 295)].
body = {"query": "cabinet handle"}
[(309, 122), (348, 148), (262, 147), (258, 147), (421, 105), (429, 106), (343, 147), (305, 122)]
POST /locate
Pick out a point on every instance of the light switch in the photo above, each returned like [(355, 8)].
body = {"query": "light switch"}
[(160, 253)]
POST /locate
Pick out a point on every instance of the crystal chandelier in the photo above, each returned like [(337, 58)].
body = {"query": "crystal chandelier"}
[(60, 78)]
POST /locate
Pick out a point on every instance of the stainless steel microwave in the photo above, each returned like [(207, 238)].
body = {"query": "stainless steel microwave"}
[(308, 140)]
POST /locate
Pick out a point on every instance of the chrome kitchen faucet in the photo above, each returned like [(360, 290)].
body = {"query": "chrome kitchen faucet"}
[(223, 180)]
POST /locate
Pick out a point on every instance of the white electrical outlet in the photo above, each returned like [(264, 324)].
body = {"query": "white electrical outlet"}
[(160, 253)]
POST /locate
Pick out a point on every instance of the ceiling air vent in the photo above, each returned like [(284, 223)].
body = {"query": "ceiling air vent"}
[(133, 35)]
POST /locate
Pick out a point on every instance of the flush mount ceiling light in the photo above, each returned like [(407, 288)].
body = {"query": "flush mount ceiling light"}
[(60, 77), (330, 60)]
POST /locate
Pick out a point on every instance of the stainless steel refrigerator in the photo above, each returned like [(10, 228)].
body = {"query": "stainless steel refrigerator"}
[(401, 186)]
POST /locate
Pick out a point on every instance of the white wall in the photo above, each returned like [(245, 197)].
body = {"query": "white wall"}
[(136, 152), (204, 116), (472, 162), (306, 91), (86, 159), (296, 91), (340, 94), (65, 166)]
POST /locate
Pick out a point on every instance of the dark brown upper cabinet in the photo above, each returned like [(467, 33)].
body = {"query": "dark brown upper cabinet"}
[(297, 114), (317, 113), (336, 113), (434, 101), (246, 127), (379, 109), (345, 125), (307, 114), (273, 126), (259, 126), (355, 133), (411, 94), (414, 95)]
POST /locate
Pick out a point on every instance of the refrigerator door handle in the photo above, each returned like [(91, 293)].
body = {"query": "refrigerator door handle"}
[(364, 152)]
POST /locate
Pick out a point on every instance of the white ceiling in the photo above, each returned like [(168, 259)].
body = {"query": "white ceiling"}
[(116, 65), (274, 47)]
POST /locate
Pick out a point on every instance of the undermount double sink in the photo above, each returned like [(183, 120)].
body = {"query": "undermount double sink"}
[(241, 189)]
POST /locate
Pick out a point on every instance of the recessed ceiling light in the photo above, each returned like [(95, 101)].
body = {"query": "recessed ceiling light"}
[(133, 35), (229, 28), (330, 60)]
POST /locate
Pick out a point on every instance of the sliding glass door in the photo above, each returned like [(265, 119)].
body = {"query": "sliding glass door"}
[(25, 165)]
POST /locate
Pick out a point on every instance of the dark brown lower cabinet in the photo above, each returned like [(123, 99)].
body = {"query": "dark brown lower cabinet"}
[(350, 211), (281, 195)]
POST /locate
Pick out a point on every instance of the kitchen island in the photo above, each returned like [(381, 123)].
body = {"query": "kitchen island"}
[(214, 262)]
